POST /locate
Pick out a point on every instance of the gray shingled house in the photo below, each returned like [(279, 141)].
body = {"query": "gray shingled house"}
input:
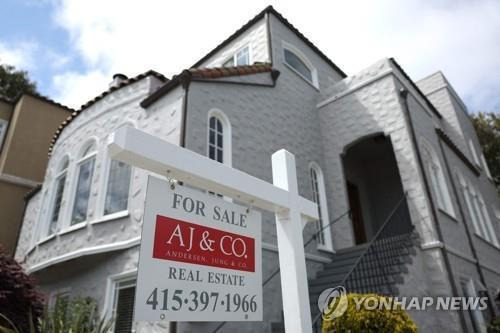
[(394, 164)]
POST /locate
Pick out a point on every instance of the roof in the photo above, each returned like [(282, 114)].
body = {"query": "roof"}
[(205, 73), (258, 17), (123, 84), (429, 104)]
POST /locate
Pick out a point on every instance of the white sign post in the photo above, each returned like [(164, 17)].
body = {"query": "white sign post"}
[(200, 258), (148, 152)]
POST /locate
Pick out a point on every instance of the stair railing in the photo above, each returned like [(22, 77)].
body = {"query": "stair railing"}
[(380, 262), (313, 237)]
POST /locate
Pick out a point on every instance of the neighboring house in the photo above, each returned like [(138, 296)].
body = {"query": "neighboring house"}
[(401, 156), (26, 128)]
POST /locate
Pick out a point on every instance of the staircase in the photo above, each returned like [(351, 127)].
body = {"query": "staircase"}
[(375, 267)]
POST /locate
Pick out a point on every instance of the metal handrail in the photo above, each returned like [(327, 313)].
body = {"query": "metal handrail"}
[(365, 251), (270, 277)]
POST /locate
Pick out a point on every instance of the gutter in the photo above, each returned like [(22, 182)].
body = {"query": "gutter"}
[(403, 93)]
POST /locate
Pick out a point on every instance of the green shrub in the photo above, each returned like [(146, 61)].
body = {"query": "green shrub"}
[(78, 315), (393, 320), (494, 326)]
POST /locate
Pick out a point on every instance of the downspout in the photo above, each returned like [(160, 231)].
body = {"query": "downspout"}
[(406, 110), (185, 79), (467, 231)]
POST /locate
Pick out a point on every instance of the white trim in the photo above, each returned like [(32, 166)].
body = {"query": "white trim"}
[(323, 204), (313, 257), (111, 282), (72, 228), (18, 180), (85, 252), (227, 149), (53, 189), (111, 217), (486, 167), (305, 60), (474, 153)]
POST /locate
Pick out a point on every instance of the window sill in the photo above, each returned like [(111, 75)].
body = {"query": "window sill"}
[(111, 217), (301, 76), (452, 217), (74, 227), (324, 248), (484, 240), (45, 240)]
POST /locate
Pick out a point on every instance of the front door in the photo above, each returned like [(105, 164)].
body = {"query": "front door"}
[(356, 215)]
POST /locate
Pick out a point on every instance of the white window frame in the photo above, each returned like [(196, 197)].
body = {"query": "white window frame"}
[(227, 150), (478, 211), (3, 132), (435, 172), (305, 60), (234, 56), (474, 153), (486, 168), (111, 284), (327, 244), (60, 173), (76, 174)]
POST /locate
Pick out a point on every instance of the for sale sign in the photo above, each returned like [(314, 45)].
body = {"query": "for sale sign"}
[(200, 258)]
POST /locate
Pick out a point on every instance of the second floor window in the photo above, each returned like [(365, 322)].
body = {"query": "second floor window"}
[(297, 64), (316, 198), (215, 139), (117, 187), (59, 186), (85, 172), (240, 58)]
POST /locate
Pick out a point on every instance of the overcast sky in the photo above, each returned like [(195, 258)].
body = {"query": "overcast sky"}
[(72, 47)]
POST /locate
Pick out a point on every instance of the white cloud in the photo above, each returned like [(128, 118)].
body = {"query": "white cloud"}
[(74, 89), (459, 37), (20, 55)]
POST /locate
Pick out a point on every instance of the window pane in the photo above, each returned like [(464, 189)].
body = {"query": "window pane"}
[(83, 191), (297, 64), (118, 187), (316, 198), (215, 140), (3, 129), (56, 208), (124, 310), (243, 57)]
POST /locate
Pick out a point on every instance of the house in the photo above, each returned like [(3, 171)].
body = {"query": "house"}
[(26, 128), (407, 205)]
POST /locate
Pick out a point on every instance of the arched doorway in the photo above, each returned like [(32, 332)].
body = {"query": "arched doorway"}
[(374, 187)]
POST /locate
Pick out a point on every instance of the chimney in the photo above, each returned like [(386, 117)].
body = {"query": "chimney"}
[(117, 80)]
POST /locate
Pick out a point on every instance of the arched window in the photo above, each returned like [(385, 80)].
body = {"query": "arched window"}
[(437, 179), (319, 197), (473, 152), (219, 137), (478, 211), (117, 186), (299, 63), (85, 172), (58, 192)]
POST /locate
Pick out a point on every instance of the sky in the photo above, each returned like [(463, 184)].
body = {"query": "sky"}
[(71, 48)]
